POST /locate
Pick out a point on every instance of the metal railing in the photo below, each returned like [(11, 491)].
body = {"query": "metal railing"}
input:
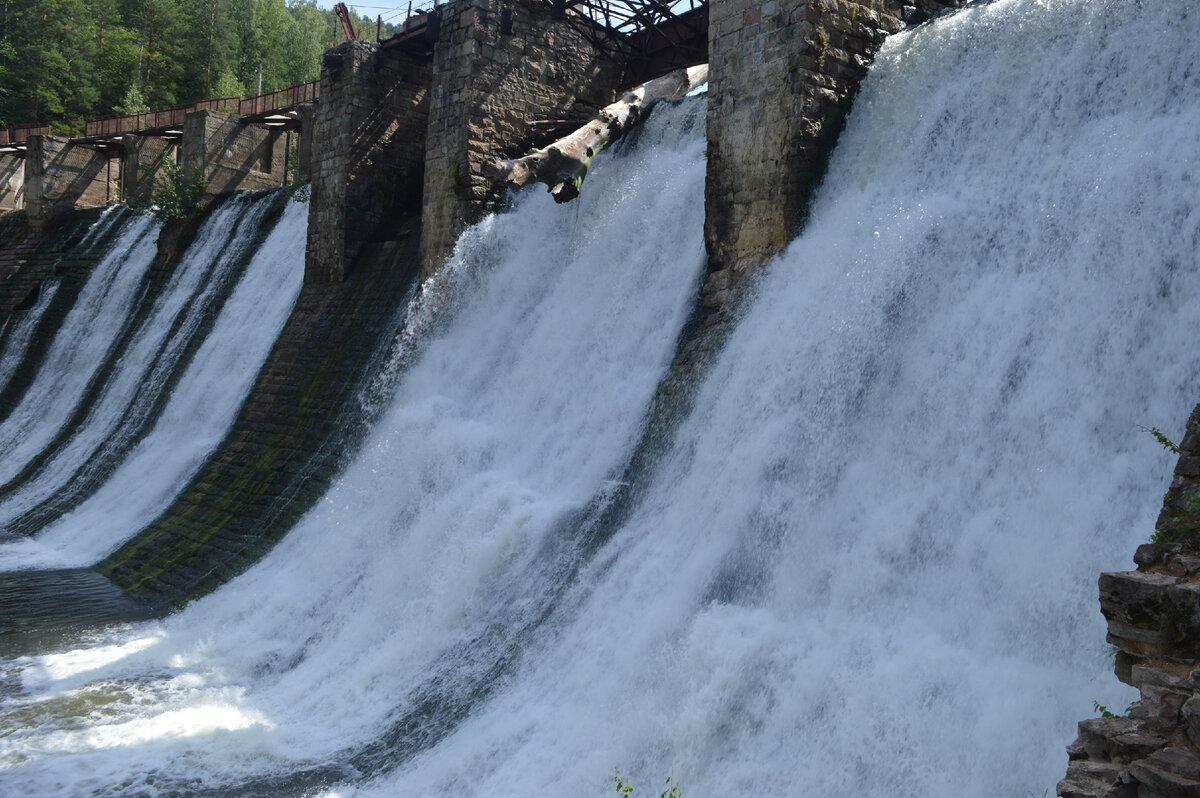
[(284, 98), (173, 117), (13, 137), (151, 120)]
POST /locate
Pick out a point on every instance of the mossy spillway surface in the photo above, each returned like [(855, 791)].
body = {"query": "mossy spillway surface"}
[(866, 554)]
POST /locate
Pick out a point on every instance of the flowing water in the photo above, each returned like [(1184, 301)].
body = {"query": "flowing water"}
[(158, 343), (18, 337), (865, 566), (83, 343), (204, 399)]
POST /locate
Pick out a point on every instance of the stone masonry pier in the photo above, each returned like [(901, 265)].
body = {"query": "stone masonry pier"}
[(782, 76), (60, 176)]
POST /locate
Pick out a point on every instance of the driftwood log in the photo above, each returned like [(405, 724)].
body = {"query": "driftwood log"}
[(564, 164)]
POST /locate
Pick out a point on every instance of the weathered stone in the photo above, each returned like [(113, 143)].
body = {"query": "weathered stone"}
[(60, 176), (1095, 734), (1173, 772), (1161, 673), (810, 56), (1086, 779), (1148, 554), (144, 158), (232, 155), (544, 68), (368, 151), (1154, 618), (12, 181), (1141, 617), (1190, 715), (1185, 599), (1183, 565), (1128, 747)]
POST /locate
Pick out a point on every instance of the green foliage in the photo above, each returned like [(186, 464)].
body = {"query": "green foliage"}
[(822, 47), (134, 102), (228, 86), (302, 192), (177, 192), (1185, 513), (1103, 710), (72, 59), (626, 789), (1164, 441)]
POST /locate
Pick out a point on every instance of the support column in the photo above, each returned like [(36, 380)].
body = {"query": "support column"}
[(499, 94), (12, 181), (232, 156), (144, 157), (368, 145), (782, 74), (304, 149), (60, 176)]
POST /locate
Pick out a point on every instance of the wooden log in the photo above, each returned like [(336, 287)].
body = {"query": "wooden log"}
[(564, 164)]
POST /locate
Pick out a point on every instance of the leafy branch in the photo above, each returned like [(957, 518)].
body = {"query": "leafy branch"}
[(1163, 440), (625, 790), (177, 192)]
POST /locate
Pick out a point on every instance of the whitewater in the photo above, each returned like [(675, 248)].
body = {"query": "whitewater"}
[(249, 303), (866, 563)]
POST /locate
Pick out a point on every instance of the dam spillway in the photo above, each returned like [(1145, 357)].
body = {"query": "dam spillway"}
[(865, 553)]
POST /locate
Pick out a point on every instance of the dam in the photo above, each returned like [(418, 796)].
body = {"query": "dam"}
[(782, 461)]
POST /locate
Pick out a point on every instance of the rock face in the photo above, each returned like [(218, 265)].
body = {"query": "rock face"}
[(1153, 617)]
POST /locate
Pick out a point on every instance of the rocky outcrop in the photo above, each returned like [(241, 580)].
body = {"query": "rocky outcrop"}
[(1153, 617)]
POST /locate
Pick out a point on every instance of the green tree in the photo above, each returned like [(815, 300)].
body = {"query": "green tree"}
[(228, 86), (133, 103)]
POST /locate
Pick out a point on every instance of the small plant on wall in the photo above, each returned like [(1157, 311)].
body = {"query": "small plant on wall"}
[(177, 192), (625, 790)]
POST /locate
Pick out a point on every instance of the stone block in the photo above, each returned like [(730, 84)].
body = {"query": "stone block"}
[(1087, 779), (1173, 772)]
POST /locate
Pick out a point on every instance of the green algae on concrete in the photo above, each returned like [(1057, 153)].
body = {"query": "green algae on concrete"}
[(301, 420)]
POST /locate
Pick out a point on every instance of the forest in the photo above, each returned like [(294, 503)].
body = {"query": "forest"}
[(64, 61)]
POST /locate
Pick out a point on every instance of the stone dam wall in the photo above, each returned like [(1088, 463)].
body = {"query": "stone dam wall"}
[(303, 416), (395, 150)]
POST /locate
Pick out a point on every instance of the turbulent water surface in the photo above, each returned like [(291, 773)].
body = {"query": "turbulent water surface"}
[(865, 566)]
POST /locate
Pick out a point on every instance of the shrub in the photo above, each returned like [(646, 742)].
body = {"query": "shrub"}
[(177, 192)]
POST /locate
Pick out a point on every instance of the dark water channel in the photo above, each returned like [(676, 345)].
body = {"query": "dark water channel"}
[(44, 609)]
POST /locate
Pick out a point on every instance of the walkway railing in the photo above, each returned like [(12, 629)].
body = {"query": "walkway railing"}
[(173, 117), (284, 98), (19, 135)]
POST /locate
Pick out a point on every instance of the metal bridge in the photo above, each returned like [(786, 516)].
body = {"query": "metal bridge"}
[(276, 109), (647, 38)]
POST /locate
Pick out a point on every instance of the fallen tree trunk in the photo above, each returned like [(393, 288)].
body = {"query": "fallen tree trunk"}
[(564, 164)]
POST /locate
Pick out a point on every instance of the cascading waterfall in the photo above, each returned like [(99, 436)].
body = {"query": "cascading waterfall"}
[(81, 346), (16, 340), (867, 564), (522, 408), (134, 383), (205, 398)]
